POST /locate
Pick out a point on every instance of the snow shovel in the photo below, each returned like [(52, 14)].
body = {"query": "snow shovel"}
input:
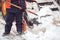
[(24, 21), (21, 8)]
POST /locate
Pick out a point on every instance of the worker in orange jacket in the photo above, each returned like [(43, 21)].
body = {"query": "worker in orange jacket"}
[(13, 12)]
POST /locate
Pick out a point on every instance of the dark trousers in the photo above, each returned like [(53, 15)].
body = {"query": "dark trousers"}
[(10, 18)]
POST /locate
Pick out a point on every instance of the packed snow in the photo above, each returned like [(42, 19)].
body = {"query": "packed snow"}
[(45, 31), (49, 29)]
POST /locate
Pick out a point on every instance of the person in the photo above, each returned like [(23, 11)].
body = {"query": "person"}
[(13, 12)]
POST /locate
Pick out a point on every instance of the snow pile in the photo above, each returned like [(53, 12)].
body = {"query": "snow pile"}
[(32, 6), (44, 31)]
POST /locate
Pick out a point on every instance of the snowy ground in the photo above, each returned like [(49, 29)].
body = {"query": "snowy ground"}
[(48, 30)]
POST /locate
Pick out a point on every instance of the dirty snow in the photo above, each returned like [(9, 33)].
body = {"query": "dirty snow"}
[(45, 31), (48, 30)]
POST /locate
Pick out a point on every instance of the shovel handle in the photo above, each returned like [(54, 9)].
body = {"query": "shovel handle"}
[(21, 8)]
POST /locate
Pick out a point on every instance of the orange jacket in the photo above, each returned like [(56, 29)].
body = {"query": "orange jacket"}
[(21, 3), (8, 5)]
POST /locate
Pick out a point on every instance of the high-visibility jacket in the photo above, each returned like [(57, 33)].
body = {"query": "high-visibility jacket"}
[(11, 8), (8, 5), (20, 3)]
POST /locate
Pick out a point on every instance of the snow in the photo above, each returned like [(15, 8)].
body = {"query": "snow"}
[(48, 30), (39, 1)]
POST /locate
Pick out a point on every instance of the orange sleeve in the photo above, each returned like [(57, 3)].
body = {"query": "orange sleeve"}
[(8, 5)]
